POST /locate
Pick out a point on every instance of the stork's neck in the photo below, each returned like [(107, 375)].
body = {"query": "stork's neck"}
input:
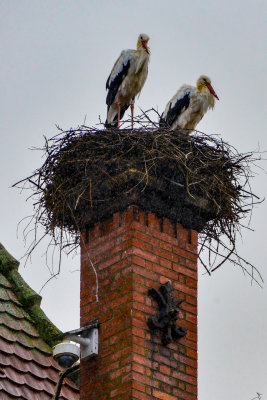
[(201, 86), (203, 90), (142, 59), (140, 47), (208, 98)]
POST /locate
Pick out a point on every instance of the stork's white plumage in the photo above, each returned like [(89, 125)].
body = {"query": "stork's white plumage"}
[(126, 81), (187, 107)]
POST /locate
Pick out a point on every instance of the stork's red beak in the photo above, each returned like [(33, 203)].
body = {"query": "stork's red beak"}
[(212, 91), (144, 44)]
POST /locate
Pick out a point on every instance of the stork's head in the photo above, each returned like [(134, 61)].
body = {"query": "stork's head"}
[(142, 42), (205, 82)]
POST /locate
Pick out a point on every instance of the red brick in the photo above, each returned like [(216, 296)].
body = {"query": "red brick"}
[(144, 379), (191, 282), (121, 247), (138, 368), (189, 326), (141, 360), (145, 273), (130, 258), (110, 261), (138, 261), (143, 307), (105, 246), (141, 244), (120, 372), (146, 238), (163, 396), (194, 237), (192, 336), (191, 353), (95, 232), (185, 271), (107, 227), (187, 361), (192, 318), (138, 315), (165, 246), (181, 395), (163, 237), (185, 289), (165, 263), (143, 254), (168, 227), (185, 377), (165, 360), (166, 254), (125, 388), (191, 389), (191, 300), (138, 279), (138, 332), (128, 216), (139, 324), (139, 386), (109, 367), (138, 349), (191, 264), (138, 297), (172, 275), (182, 234), (164, 378), (165, 370), (153, 221), (191, 371), (163, 280), (87, 260), (120, 336), (184, 253), (191, 247), (139, 395)]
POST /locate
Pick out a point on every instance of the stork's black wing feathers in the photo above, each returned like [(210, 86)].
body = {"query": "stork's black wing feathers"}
[(107, 84), (114, 123), (115, 83), (175, 110)]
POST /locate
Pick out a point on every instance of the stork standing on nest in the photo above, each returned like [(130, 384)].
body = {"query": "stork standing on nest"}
[(188, 106), (126, 81)]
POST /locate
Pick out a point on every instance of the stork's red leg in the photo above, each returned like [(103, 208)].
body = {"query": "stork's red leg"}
[(119, 109), (132, 112)]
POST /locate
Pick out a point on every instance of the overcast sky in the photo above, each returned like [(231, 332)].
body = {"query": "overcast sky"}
[(55, 58)]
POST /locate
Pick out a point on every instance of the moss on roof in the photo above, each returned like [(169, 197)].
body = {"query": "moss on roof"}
[(28, 297)]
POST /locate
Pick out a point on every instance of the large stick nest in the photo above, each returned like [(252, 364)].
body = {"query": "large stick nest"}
[(197, 180)]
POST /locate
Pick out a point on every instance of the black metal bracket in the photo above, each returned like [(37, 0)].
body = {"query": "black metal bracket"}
[(80, 331), (167, 316)]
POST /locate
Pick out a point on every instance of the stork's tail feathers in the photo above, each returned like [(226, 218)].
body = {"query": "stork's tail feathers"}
[(112, 125), (162, 122), (114, 122)]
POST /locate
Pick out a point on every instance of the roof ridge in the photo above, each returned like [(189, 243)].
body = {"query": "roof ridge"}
[(27, 297)]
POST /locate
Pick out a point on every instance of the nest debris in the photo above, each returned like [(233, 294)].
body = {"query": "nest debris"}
[(90, 173)]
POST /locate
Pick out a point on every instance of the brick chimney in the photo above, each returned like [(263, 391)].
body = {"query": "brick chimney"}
[(136, 199), (132, 252)]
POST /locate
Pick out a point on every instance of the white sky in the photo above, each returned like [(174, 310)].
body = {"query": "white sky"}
[(55, 58)]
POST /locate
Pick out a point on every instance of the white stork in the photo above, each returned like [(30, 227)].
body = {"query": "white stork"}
[(187, 107), (126, 81)]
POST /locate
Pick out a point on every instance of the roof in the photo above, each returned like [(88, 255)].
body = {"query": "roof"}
[(27, 369)]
